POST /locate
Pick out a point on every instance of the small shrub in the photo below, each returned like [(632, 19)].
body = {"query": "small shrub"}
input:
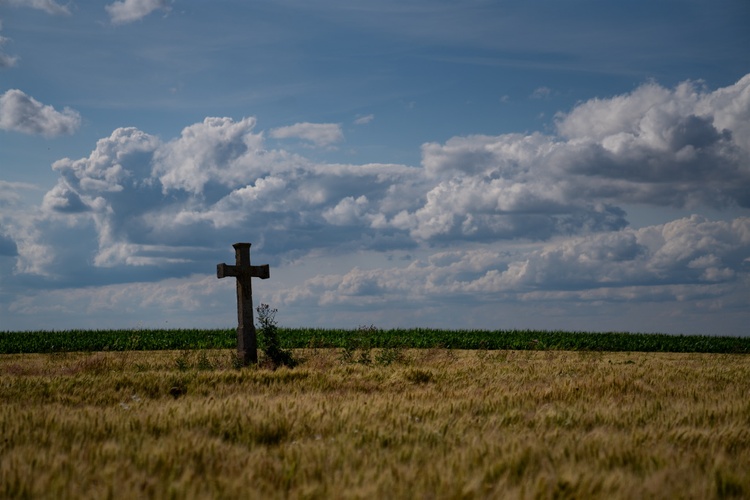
[(204, 363), (358, 346), (268, 338), (181, 362), (348, 353), (389, 355), (236, 361)]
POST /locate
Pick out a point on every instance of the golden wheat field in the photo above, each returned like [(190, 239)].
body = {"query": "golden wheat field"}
[(426, 424)]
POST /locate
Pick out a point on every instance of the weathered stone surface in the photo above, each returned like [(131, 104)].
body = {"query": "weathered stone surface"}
[(247, 343)]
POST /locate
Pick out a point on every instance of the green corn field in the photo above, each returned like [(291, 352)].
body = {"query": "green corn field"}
[(296, 338)]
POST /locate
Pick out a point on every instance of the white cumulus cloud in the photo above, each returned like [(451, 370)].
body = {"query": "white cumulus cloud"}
[(689, 257), (127, 11), (139, 193), (363, 120), (514, 217), (49, 6), (6, 60), (320, 134), (22, 113)]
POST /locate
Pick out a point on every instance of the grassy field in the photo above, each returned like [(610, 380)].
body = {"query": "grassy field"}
[(427, 423)]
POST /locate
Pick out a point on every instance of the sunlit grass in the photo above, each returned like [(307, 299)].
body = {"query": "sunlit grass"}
[(433, 424)]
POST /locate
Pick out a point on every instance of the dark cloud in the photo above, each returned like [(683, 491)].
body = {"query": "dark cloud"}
[(690, 257), (696, 132), (682, 148), (64, 200)]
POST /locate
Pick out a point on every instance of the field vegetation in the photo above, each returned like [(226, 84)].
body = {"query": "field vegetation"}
[(297, 338), (372, 422)]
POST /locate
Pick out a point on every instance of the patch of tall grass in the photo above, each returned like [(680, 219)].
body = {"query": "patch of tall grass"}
[(436, 423)]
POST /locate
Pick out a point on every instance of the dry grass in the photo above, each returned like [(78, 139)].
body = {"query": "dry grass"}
[(436, 424)]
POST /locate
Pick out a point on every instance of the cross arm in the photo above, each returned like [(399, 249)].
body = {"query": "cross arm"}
[(263, 272), (224, 270)]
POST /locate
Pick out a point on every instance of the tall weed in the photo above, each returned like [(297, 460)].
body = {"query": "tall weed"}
[(268, 339)]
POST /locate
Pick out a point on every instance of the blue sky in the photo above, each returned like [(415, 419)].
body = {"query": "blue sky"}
[(577, 165)]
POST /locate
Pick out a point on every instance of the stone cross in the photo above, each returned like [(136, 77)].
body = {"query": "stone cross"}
[(247, 344)]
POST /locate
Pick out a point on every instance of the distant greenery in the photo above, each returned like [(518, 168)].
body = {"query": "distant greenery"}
[(114, 340), (291, 338)]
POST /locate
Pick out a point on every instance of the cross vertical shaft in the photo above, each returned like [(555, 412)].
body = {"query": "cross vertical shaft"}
[(247, 343)]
